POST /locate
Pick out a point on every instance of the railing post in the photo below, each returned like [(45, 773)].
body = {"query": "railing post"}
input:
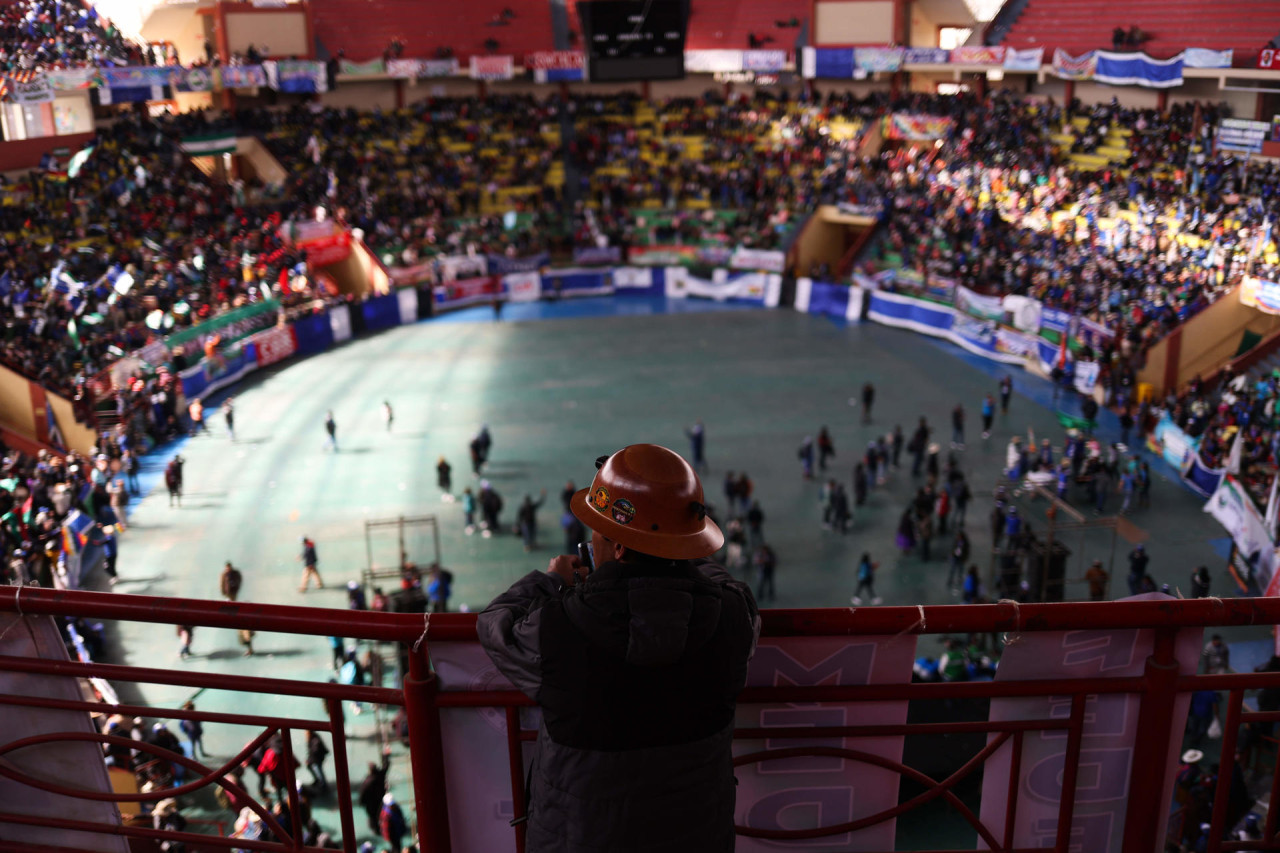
[(426, 754), (1142, 829)]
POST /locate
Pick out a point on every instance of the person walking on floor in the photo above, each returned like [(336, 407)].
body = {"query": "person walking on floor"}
[(766, 561), (229, 417), (826, 448), (444, 479), (373, 787), (1006, 391), (186, 633), (194, 732), (317, 751), (527, 520), (230, 582), (1097, 578), (988, 415), (897, 441), (309, 562), (868, 398), (866, 580), (959, 557), (439, 588), (697, 445), (173, 480), (919, 444), (806, 457), (1138, 560), (1200, 580), (387, 414), (957, 428), (755, 524), (331, 428), (391, 822)]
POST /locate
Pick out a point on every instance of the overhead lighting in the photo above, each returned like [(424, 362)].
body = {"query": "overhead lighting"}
[(984, 11)]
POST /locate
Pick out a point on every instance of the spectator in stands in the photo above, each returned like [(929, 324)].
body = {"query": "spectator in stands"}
[(577, 638)]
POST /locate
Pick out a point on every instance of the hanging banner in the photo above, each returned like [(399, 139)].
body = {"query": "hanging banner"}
[(135, 77), (1025, 312), (493, 67), (327, 250), (462, 266), (1260, 293), (1199, 57), (467, 291), (1175, 447), (556, 66), (977, 55), (764, 60), (362, 69), (977, 305), (711, 61), (414, 68), (504, 264), (297, 76), (916, 128), (1269, 58), (830, 63), (1024, 60), (878, 58), (1055, 320), (340, 323), (523, 286), (1200, 477), (1009, 342), (274, 345), (229, 327), (588, 256), (1085, 377), (1137, 69), (785, 794), (417, 274), (747, 287), (1093, 334), (744, 258), (1240, 134), (1108, 741), (407, 302), (1235, 510), (210, 145), (37, 90), (633, 278), (69, 79), (925, 56), (1070, 67), (242, 76), (198, 79)]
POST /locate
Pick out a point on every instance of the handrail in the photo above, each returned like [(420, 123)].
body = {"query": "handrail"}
[(1005, 616)]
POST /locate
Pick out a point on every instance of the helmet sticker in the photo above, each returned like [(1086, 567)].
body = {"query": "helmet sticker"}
[(600, 499), (623, 511)]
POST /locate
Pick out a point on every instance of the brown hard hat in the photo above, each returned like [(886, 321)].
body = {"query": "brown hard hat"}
[(648, 499)]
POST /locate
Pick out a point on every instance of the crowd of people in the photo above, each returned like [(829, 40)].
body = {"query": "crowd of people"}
[(36, 35)]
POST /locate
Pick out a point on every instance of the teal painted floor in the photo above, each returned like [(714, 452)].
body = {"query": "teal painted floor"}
[(557, 393)]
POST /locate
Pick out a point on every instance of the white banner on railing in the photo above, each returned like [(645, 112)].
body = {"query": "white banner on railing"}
[(632, 278), (1107, 748), (523, 286), (749, 287), (804, 289), (340, 323), (408, 301)]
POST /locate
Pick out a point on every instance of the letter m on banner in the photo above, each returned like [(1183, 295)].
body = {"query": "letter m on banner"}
[(795, 791)]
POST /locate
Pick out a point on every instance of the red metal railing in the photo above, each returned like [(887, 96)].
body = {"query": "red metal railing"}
[(1148, 786)]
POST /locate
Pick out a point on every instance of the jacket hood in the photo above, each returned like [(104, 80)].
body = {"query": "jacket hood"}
[(648, 616)]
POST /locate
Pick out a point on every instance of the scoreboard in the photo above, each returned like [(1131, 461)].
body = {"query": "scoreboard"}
[(629, 40)]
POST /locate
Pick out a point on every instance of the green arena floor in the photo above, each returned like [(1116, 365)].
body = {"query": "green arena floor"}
[(556, 393)]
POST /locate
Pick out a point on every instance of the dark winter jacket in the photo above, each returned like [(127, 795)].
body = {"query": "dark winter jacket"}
[(637, 671)]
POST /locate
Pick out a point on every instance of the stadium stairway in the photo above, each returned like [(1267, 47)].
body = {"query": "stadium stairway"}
[(423, 28), (1077, 26)]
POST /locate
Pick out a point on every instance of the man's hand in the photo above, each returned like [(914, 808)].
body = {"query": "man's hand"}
[(569, 568)]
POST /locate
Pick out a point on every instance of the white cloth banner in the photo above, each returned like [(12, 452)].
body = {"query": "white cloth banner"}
[(340, 323), (751, 286), (1024, 60), (633, 278), (1025, 311), (407, 297), (37, 90), (1107, 745), (523, 286), (711, 61), (854, 312), (1200, 57), (463, 266), (744, 258), (1234, 509), (804, 290)]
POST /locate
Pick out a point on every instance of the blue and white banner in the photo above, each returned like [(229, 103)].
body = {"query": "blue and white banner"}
[(829, 299), (635, 278), (1086, 376), (1202, 479), (577, 282), (506, 264), (1024, 60), (878, 58), (926, 56), (1025, 311), (1137, 69), (1200, 57), (222, 370), (557, 75), (938, 321), (1070, 67), (522, 286), (1174, 445), (977, 305), (829, 63), (1055, 320), (767, 260), (299, 76)]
